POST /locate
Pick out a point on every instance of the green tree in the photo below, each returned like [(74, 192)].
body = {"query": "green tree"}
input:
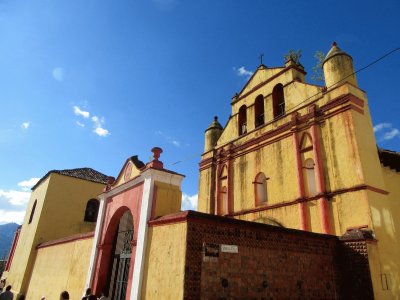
[(318, 74)]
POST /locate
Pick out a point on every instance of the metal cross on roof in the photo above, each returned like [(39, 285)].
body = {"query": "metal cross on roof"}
[(261, 58)]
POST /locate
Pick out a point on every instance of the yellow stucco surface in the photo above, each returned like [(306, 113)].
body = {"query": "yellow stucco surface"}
[(60, 267), (168, 199), (60, 209), (165, 262), (128, 172), (385, 212)]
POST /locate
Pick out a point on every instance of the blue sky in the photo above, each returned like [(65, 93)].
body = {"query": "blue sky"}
[(90, 83)]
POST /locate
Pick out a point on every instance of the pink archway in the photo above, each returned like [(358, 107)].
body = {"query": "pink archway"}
[(116, 206)]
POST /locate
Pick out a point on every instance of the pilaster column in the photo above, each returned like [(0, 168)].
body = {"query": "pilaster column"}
[(300, 182), (319, 174)]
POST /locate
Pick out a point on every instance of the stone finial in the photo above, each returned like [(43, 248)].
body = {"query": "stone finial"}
[(334, 44), (156, 153), (155, 163), (110, 181)]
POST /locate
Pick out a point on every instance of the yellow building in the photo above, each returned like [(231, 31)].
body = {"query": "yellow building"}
[(62, 204), (297, 156), (304, 156)]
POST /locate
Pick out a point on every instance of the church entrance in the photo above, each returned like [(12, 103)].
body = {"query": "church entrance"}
[(118, 276)]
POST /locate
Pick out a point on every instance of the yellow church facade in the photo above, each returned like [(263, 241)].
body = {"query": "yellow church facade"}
[(295, 200), (304, 156)]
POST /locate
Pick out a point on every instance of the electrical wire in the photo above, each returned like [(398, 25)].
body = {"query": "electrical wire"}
[(343, 79), (316, 94)]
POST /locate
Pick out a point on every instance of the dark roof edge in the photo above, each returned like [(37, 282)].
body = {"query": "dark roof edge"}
[(59, 172), (389, 158)]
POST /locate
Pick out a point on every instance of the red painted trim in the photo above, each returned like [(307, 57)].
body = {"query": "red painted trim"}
[(339, 101), (154, 203), (229, 187), (13, 247), (357, 101), (357, 109), (167, 221), (305, 136), (65, 240), (328, 195), (217, 188), (319, 172), (300, 181), (376, 190)]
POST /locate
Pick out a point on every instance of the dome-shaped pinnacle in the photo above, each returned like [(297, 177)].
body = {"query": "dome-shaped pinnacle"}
[(215, 124), (335, 50)]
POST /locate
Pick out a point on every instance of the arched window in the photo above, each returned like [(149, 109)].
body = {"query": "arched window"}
[(32, 212), (242, 120), (309, 177), (278, 100), (92, 209), (260, 189), (259, 111)]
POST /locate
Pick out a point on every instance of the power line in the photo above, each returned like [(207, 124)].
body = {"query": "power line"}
[(320, 92), (343, 79)]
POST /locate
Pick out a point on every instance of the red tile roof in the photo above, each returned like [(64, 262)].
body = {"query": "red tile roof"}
[(81, 173)]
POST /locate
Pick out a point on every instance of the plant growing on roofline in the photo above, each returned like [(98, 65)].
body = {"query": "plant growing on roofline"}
[(293, 55), (318, 74)]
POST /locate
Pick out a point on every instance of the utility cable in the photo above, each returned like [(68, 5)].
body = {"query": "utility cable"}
[(308, 98)]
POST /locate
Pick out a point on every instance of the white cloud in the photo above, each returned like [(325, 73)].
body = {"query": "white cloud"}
[(58, 74), (169, 139), (101, 131), (242, 71), (27, 184), (14, 197), (391, 134), (176, 143), (381, 126), (98, 127), (11, 216), (25, 125), (82, 113), (189, 202), (97, 122), (386, 131)]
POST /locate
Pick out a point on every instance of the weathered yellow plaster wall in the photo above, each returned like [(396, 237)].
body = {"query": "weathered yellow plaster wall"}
[(60, 210), (385, 211), (168, 199), (60, 267), (205, 197), (25, 252), (165, 262), (351, 166)]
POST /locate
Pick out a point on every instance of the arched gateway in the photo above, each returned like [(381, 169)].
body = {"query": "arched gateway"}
[(139, 194)]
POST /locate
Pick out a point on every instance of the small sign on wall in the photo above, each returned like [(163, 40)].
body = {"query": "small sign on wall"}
[(211, 250), (230, 248)]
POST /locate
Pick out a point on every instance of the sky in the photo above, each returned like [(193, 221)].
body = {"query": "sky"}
[(90, 83)]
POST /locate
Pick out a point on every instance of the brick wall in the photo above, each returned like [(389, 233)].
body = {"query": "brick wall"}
[(270, 263)]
